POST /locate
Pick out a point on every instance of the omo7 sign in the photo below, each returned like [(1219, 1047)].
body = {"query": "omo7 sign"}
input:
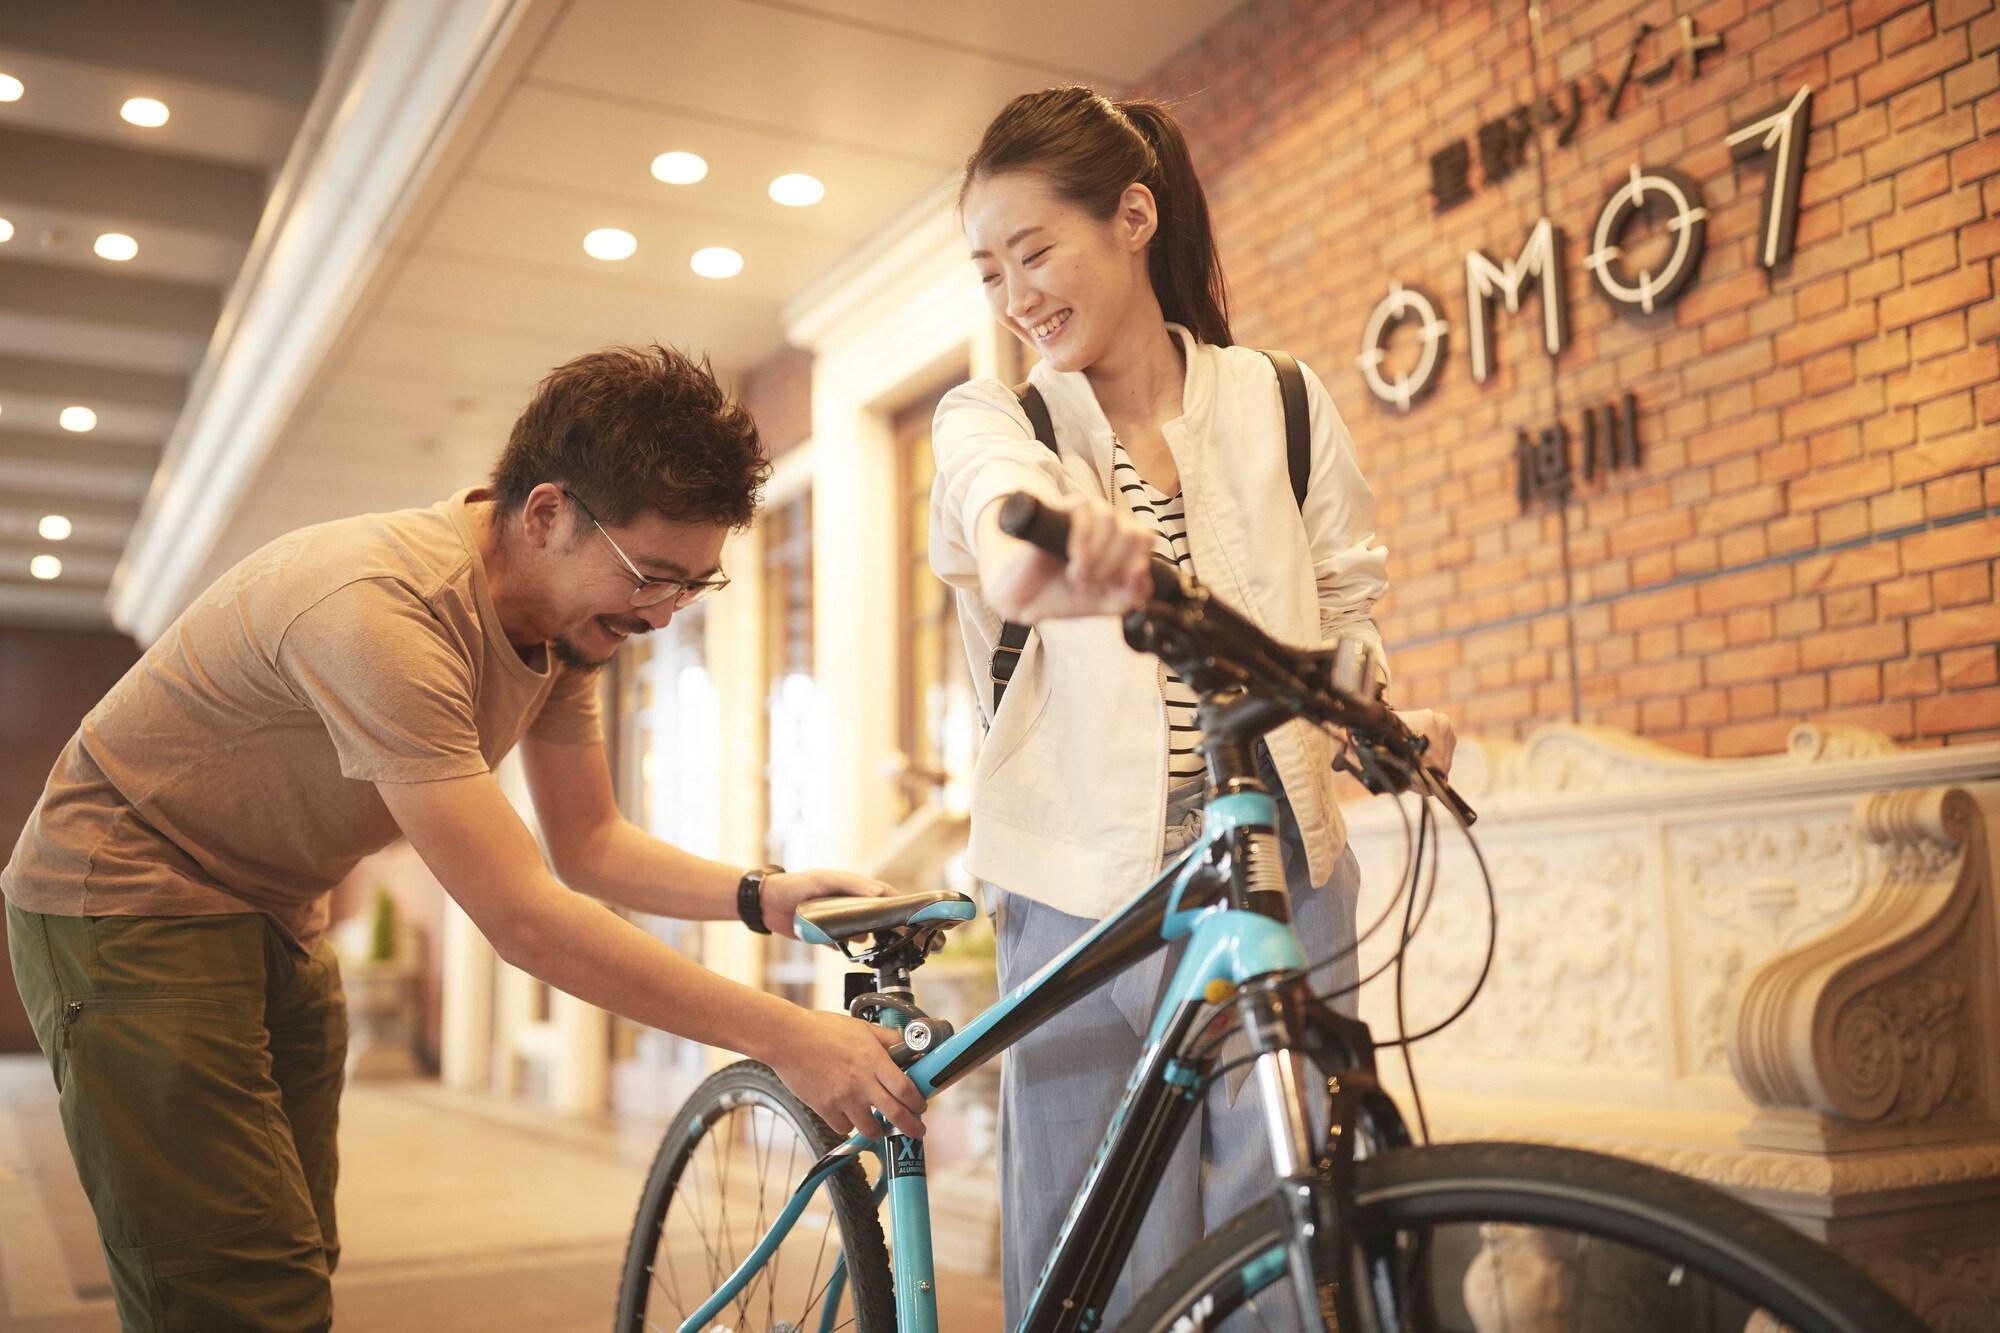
[(1778, 134)]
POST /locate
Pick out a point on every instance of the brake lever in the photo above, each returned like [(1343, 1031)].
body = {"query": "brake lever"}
[(1453, 801), (1370, 773)]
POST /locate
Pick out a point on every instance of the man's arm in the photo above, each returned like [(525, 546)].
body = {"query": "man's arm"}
[(483, 854), (598, 850)]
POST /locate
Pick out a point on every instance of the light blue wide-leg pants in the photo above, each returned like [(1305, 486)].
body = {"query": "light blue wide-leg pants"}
[(1061, 1082)]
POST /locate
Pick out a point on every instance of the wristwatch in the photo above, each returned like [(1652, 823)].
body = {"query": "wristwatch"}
[(750, 897)]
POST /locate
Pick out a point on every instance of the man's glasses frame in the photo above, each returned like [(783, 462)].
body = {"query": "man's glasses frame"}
[(649, 590)]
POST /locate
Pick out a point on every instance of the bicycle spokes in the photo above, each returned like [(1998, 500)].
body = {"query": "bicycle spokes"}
[(739, 1176)]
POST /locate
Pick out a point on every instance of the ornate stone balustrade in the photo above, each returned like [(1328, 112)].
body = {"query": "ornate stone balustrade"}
[(1777, 974)]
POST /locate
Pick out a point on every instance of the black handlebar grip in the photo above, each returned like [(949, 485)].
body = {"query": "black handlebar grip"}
[(1023, 516)]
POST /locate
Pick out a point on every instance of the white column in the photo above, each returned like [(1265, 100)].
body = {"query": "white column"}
[(580, 1074), (857, 652), (465, 1055), (735, 651)]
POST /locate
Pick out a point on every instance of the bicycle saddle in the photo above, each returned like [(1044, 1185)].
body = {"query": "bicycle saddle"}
[(834, 921)]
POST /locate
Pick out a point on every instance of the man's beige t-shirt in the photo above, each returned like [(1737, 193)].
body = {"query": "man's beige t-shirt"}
[(233, 768)]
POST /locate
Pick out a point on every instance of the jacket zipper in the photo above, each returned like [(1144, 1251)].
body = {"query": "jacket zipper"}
[(1166, 748)]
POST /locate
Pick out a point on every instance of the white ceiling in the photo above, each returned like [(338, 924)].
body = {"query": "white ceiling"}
[(123, 339), (486, 285)]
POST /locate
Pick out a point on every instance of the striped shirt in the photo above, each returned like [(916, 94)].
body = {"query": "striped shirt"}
[(1167, 516)]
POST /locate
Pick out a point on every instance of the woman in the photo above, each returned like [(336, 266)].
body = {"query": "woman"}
[(1091, 235)]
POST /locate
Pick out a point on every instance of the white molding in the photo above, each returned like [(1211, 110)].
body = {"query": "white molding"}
[(1599, 774), (873, 280), (393, 93)]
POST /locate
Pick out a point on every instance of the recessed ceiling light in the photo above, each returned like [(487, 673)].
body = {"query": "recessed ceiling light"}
[(45, 567), (78, 419), (55, 528), (797, 190), (10, 88), (610, 243), (145, 112), (679, 168), (6, 230), (716, 261), (116, 246)]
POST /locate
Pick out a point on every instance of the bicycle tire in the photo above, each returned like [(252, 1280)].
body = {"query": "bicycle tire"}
[(749, 1085), (1765, 1265)]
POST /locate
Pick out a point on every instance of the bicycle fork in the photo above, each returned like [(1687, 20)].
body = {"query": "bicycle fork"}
[(1271, 1021), (1330, 1265)]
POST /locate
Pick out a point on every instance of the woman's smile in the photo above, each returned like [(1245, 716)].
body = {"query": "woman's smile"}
[(1047, 329)]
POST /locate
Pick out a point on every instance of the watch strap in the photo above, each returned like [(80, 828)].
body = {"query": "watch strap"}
[(750, 898)]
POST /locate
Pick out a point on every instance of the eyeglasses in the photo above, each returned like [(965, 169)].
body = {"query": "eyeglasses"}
[(651, 591)]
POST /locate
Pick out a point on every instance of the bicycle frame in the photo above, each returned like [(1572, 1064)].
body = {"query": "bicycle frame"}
[(1227, 947)]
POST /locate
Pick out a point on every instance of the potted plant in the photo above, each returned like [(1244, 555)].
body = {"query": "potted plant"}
[(384, 996)]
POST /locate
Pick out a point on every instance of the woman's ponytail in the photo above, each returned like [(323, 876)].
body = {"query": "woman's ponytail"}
[(1187, 274)]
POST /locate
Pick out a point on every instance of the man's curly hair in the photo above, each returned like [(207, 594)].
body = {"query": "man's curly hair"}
[(629, 429)]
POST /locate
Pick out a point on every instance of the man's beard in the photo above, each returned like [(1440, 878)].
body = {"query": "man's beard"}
[(572, 657)]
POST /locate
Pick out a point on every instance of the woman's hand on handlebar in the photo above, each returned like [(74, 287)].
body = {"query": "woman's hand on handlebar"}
[(1108, 570), (1435, 728)]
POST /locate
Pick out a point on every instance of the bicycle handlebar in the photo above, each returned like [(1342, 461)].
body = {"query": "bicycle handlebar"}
[(1203, 637), (1024, 516)]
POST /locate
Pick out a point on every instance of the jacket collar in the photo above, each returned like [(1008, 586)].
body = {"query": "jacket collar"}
[(1073, 402)]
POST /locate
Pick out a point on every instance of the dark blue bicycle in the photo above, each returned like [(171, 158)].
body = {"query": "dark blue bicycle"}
[(757, 1216)]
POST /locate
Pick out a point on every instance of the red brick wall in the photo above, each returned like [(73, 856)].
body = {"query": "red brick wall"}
[(778, 392), (1814, 529)]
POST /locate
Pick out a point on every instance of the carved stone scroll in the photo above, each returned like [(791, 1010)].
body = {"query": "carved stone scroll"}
[(1565, 760), (1875, 1025)]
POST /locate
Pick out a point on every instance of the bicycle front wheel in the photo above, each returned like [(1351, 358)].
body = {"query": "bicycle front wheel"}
[(730, 1162), (1512, 1238)]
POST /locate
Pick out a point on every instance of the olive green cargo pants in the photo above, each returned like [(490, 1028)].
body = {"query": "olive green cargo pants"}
[(199, 1065)]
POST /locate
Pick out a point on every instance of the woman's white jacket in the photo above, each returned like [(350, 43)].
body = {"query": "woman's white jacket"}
[(1070, 792)]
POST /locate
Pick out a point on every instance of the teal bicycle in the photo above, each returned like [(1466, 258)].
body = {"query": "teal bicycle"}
[(756, 1216)]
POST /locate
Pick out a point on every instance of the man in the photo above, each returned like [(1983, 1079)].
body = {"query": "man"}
[(167, 902)]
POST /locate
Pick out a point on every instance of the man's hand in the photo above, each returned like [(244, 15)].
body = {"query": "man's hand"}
[(1109, 569), (840, 1067), (1437, 729), (783, 892)]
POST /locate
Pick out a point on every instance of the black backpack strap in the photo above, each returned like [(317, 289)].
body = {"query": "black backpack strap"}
[(1298, 422), (1013, 637), (1006, 655), (1038, 414)]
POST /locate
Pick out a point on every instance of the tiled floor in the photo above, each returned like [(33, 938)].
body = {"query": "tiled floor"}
[(456, 1212)]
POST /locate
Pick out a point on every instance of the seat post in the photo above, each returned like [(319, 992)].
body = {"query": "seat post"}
[(892, 978)]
